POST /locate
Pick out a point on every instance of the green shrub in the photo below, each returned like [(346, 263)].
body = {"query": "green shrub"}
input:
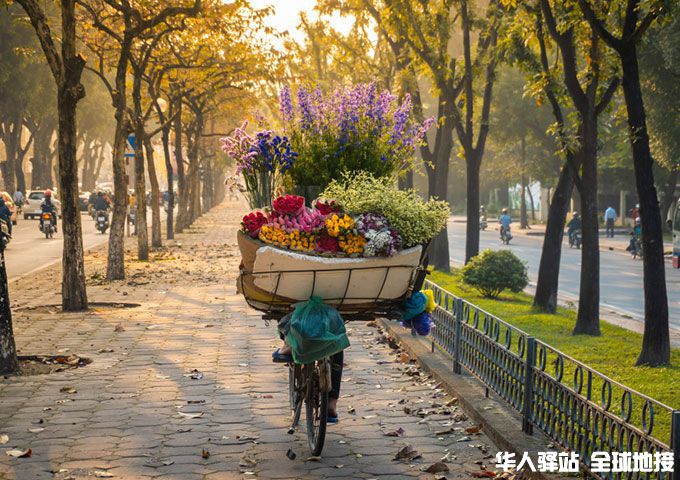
[(416, 220), (491, 272)]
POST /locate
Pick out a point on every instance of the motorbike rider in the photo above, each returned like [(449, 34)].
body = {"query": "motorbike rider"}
[(47, 206), (573, 226), (101, 203), (6, 214), (505, 220), (635, 244), (18, 198)]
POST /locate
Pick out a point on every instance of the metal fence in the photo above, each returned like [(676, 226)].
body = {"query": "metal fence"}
[(579, 408)]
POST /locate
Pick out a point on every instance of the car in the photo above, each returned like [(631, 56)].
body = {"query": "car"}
[(33, 201), (10, 204), (84, 201)]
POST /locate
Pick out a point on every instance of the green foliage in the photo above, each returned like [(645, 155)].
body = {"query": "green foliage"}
[(416, 220), (491, 272)]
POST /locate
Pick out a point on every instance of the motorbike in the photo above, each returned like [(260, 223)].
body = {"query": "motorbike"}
[(132, 220), (4, 233), (635, 247), (483, 223), (102, 221), (46, 225), (575, 239), (506, 236)]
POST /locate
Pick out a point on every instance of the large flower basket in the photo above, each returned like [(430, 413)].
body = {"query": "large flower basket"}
[(273, 279)]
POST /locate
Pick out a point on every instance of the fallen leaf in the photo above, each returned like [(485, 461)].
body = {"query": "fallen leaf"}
[(399, 432), (351, 409), (191, 415), (118, 328), (246, 437), (205, 454), (463, 439), (19, 453), (407, 453), (248, 462), (195, 402), (68, 390), (103, 474), (473, 430), (36, 430), (291, 454), (438, 467), (4, 439), (338, 466), (445, 432), (313, 459)]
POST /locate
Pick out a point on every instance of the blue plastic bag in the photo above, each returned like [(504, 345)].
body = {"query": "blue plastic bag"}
[(316, 331)]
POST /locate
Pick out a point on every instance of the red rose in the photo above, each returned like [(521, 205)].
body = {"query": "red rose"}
[(252, 223), (327, 244), (289, 204), (327, 207)]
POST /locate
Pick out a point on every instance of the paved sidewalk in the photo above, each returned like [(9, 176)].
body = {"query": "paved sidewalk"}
[(182, 386)]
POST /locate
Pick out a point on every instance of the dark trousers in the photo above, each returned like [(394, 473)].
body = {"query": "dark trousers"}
[(610, 228), (336, 374)]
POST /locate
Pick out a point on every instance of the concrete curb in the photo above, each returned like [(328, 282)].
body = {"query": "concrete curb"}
[(502, 424)]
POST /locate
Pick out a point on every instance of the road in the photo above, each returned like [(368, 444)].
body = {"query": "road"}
[(620, 281), (30, 250)]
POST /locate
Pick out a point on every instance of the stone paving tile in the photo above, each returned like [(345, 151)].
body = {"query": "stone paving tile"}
[(126, 416)]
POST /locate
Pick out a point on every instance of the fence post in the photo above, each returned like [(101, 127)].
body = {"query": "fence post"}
[(457, 316), (527, 425), (675, 443)]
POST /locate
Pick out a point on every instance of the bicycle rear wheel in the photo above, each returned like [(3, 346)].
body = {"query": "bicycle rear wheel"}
[(318, 386), (295, 393)]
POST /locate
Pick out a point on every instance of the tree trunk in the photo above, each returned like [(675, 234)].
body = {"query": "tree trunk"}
[(182, 208), (656, 340), (140, 175), (9, 363), (41, 161), (588, 318), (523, 221), (545, 297), (156, 240), (12, 142), (531, 202), (171, 187), (116, 259), (472, 232), (69, 92)]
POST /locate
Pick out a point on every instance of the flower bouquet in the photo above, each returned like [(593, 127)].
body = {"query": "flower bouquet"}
[(361, 247), (261, 160)]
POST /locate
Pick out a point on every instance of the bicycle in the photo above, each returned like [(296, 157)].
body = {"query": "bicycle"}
[(310, 384)]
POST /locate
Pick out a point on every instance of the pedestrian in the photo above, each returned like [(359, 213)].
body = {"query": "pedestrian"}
[(610, 217), (18, 198)]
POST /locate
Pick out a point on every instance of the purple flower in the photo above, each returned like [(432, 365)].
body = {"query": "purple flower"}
[(286, 102)]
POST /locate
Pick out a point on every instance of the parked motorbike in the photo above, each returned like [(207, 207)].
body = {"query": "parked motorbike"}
[(575, 239), (102, 221), (482, 222), (4, 233), (506, 236), (46, 225)]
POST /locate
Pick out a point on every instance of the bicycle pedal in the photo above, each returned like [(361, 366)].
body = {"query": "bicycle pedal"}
[(291, 431)]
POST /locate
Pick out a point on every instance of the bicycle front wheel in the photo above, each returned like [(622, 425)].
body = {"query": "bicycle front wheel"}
[(318, 385)]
